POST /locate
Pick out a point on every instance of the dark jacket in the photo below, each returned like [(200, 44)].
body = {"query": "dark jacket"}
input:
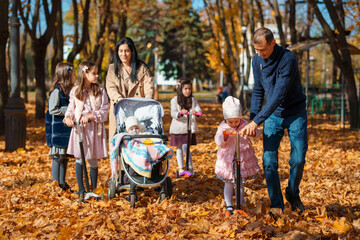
[(57, 134), (278, 77)]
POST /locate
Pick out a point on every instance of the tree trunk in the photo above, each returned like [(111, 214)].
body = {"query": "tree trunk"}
[(292, 21), (260, 12), (23, 68), (4, 35), (40, 90), (123, 18), (101, 20), (279, 23), (251, 23), (58, 42)]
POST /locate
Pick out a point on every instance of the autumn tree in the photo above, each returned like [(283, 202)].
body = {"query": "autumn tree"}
[(79, 45), (341, 54), (4, 35), (145, 19), (102, 13), (183, 42), (40, 42)]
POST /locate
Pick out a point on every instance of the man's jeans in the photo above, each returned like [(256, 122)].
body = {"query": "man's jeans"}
[(273, 132)]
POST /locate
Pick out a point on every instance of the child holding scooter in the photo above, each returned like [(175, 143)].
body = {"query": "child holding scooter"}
[(226, 141), (57, 135), (87, 111), (184, 105)]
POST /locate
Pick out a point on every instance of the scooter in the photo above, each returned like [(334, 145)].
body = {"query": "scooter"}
[(188, 173), (88, 195), (240, 183)]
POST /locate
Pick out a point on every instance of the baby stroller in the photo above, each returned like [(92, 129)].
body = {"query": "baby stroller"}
[(149, 113)]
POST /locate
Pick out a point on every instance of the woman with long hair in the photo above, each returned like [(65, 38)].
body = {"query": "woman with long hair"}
[(126, 77)]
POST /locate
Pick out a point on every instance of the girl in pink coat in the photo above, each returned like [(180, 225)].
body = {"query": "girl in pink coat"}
[(224, 167), (88, 101)]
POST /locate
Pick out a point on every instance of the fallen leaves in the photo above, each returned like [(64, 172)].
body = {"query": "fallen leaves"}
[(34, 207)]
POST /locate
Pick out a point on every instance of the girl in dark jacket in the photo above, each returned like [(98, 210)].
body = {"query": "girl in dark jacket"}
[(57, 135)]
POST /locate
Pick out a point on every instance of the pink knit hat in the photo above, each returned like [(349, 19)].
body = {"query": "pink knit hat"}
[(231, 108)]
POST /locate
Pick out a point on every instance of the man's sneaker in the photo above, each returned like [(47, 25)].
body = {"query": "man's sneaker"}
[(275, 213), (295, 202)]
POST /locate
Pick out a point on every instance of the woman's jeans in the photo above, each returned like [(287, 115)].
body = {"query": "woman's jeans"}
[(273, 132)]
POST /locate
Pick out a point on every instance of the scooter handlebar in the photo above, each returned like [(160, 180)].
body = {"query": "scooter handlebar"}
[(198, 114), (77, 122), (232, 133)]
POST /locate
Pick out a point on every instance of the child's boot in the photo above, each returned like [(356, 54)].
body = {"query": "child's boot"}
[(94, 176), (229, 210), (63, 167), (79, 179)]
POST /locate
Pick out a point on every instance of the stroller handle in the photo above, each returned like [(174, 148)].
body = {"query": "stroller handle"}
[(130, 137)]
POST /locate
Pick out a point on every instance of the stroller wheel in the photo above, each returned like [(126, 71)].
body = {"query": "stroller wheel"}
[(168, 187), (162, 196), (111, 193), (132, 200)]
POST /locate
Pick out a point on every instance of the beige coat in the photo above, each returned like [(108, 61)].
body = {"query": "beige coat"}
[(179, 125), (115, 88)]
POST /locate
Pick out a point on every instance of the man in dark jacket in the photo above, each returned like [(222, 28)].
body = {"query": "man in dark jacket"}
[(276, 73)]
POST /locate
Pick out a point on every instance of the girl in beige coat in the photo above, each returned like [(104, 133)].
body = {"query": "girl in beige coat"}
[(126, 77), (183, 103)]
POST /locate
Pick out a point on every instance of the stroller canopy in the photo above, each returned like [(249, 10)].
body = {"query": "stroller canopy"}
[(149, 112)]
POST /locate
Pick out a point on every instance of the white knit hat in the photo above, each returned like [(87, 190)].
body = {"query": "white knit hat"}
[(133, 121), (231, 108)]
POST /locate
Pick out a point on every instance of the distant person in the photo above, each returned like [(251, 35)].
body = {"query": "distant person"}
[(181, 104), (57, 134), (225, 92), (224, 167), (126, 77), (276, 73), (88, 105), (219, 98)]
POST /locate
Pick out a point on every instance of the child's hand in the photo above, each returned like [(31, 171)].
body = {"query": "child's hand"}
[(193, 112), (85, 120), (69, 122), (91, 117), (184, 111)]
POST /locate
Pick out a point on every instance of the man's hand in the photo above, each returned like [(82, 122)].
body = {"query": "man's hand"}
[(250, 129)]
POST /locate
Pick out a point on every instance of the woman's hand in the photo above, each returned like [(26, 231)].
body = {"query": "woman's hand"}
[(69, 122), (184, 111), (193, 112)]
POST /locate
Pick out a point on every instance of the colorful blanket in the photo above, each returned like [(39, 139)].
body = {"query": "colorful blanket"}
[(139, 156)]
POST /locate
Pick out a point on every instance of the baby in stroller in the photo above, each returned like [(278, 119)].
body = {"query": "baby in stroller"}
[(139, 158)]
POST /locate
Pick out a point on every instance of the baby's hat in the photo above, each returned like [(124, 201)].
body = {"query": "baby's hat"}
[(132, 121), (231, 108)]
